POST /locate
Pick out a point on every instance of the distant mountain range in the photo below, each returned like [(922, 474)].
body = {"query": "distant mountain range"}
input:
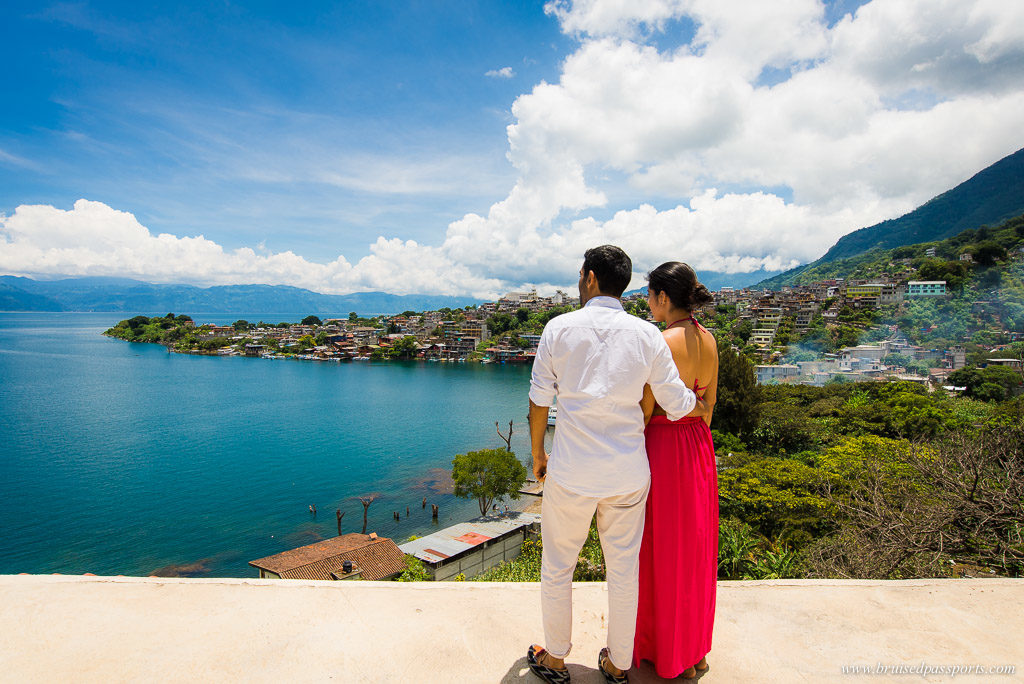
[(125, 295), (988, 198)]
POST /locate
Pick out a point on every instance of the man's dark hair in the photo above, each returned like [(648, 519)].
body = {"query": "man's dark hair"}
[(611, 266)]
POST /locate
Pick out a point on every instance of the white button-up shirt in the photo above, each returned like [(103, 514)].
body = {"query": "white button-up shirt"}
[(596, 360)]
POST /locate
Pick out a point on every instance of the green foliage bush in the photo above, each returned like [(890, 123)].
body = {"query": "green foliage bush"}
[(414, 571)]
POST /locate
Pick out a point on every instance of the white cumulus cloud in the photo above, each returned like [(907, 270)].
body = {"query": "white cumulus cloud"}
[(756, 144)]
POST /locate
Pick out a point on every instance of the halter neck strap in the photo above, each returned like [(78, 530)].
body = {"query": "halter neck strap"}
[(696, 323)]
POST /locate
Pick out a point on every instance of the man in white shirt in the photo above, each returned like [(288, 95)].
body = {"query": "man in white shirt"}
[(596, 360)]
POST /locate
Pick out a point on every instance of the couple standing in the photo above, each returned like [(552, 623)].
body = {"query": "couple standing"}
[(613, 374)]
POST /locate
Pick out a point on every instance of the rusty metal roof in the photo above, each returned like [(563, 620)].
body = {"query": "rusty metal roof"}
[(377, 558), (452, 541)]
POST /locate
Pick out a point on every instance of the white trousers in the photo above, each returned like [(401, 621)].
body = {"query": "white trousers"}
[(565, 522)]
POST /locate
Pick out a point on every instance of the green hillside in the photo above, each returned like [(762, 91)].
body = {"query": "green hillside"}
[(986, 293), (988, 198), (987, 247)]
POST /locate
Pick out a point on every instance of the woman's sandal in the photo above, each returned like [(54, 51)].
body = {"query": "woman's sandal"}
[(692, 671), (603, 658), (550, 675)]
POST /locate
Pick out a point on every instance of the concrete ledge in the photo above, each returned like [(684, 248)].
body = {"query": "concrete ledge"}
[(113, 629)]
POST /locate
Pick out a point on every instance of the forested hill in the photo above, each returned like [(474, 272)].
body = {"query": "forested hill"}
[(995, 252), (988, 198), (124, 295)]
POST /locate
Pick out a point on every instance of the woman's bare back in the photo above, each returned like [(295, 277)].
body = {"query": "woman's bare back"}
[(696, 355)]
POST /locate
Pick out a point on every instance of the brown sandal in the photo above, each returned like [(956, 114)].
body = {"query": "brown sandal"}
[(602, 659), (692, 671), (551, 675)]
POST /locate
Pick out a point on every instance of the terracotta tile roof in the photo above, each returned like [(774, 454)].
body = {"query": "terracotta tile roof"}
[(378, 558)]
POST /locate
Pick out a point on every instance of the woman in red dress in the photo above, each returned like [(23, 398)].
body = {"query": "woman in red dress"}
[(679, 553)]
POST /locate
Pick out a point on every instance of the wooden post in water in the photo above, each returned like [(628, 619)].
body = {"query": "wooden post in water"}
[(340, 516), (434, 510), (424, 502)]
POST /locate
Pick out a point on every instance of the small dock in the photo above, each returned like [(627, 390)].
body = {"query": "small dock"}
[(533, 488)]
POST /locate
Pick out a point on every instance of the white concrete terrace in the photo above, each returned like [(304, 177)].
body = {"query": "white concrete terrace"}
[(121, 629)]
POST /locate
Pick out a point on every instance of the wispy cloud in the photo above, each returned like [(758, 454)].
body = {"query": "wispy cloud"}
[(15, 160), (503, 72)]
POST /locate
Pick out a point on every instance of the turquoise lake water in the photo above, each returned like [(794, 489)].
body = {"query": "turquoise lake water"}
[(120, 458)]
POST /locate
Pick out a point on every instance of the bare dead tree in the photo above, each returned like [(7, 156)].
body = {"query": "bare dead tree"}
[(366, 501), (959, 500), (506, 439)]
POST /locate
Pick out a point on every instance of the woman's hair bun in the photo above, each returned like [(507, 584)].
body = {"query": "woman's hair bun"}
[(679, 282), (701, 296)]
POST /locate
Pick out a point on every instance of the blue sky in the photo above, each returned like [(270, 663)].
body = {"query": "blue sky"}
[(216, 118), (476, 147)]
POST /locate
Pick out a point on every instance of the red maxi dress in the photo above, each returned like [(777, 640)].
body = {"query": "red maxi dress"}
[(679, 552)]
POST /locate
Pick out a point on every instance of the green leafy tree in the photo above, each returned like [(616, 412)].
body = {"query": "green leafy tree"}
[(311, 320), (784, 428), (993, 383), (518, 342), (639, 308), (988, 253), (736, 407), (240, 324), (501, 323), (487, 475), (843, 336), (404, 348), (953, 272), (778, 497), (742, 330)]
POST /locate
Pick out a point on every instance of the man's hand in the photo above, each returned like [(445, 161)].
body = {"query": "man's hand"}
[(538, 427), (701, 409), (540, 466)]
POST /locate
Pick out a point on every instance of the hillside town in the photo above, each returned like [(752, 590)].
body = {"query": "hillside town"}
[(460, 335), (508, 331)]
